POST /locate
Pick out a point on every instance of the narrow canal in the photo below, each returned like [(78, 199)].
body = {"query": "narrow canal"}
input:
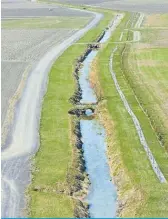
[(102, 194)]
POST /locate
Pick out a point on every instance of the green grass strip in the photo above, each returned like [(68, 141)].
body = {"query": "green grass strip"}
[(55, 152)]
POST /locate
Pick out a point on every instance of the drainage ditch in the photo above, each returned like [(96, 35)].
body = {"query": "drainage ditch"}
[(97, 197)]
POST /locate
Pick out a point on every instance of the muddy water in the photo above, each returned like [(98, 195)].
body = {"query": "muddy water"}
[(102, 192)]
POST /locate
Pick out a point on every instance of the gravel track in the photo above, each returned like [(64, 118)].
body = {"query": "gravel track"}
[(24, 138)]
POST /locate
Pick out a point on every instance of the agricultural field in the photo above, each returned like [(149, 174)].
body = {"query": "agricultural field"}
[(147, 62), (21, 49), (89, 82), (139, 189), (150, 6), (54, 22)]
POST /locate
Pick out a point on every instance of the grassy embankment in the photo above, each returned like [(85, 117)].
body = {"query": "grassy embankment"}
[(140, 192), (55, 153)]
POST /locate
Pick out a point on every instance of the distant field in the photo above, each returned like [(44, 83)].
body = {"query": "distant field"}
[(148, 6), (139, 188), (156, 20), (148, 73), (21, 49), (47, 22)]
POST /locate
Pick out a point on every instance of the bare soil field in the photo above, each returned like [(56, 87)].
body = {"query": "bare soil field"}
[(46, 22), (29, 9), (22, 48), (149, 6), (39, 12)]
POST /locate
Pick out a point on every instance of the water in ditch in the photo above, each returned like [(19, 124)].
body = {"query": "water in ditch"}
[(88, 94), (102, 193)]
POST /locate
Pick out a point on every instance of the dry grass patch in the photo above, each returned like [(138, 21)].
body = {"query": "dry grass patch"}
[(130, 197), (156, 20), (95, 84)]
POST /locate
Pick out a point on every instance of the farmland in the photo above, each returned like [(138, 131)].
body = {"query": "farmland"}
[(55, 58), (147, 75), (150, 6), (130, 167)]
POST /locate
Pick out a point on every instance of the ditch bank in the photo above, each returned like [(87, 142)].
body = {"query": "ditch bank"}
[(98, 196)]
